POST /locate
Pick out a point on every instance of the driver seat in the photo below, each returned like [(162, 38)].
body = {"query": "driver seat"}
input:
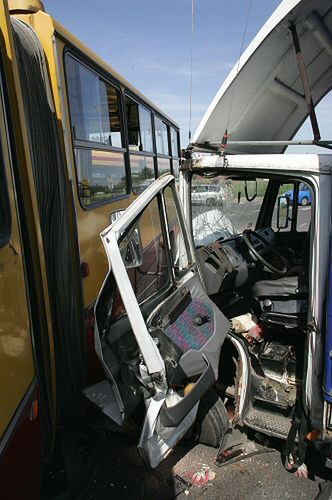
[(284, 300)]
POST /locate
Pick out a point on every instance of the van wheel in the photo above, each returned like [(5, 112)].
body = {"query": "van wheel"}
[(210, 202), (304, 201), (212, 419)]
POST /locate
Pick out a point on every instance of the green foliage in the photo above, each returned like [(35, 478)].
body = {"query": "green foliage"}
[(145, 173)]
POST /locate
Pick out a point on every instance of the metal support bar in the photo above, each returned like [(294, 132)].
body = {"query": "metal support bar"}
[(305, 82), (280, 143), (205, 147), (213, 146)]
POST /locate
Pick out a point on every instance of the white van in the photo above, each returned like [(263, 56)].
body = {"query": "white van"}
[(233, 331)]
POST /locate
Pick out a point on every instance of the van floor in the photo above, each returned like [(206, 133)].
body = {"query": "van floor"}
[(123, 475)]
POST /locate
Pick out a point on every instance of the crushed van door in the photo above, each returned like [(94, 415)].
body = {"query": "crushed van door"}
[(158, 336)]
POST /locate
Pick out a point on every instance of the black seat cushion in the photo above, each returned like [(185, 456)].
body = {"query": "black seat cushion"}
[(288, 299), (282, 287)]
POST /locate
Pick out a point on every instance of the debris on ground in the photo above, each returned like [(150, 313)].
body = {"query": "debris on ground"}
[(238, 452), (302, 472), (184, 481), (203, 476), (182, 485)]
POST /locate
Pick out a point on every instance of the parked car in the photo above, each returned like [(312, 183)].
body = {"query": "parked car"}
[(304, 197), (206, 194)]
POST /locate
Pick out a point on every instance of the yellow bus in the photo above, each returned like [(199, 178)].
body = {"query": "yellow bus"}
[(78, 143)]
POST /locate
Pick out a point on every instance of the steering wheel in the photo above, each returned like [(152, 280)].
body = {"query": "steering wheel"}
[(260, 248)]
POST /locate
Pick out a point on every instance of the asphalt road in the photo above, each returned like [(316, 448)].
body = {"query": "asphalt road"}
[(244, 216), (124, 475)]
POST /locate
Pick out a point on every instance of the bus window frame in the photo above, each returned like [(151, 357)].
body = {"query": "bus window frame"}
[(69, 51), (150, 110), (170, 156), (178, 157), (168, 124), (123, 91), (165, 122), (134, 152)]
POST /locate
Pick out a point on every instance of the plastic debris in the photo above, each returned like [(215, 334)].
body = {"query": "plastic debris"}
[(243, 323), (203, 475)]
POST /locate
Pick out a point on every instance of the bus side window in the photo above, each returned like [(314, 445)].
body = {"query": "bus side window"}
[(162, 131), (139, 128), (96, 128), (175, 150)]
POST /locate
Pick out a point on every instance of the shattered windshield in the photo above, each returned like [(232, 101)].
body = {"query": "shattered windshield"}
[(223, 207)]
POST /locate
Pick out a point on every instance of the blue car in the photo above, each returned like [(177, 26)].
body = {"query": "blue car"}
[(304, 197)]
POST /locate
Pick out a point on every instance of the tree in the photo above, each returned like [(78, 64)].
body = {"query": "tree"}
[(145, 173)]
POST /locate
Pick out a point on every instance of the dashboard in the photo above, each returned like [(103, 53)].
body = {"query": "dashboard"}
[(223, 265)]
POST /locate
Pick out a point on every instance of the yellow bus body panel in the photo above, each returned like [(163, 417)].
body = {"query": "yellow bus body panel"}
[(16, 359), (17, 369)]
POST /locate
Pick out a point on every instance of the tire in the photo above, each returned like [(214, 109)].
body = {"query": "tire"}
[(212, 419), (304, 201)]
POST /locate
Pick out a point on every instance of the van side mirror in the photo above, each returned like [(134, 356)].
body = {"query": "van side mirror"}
[(283, 212), (130, 244), (132, 249)]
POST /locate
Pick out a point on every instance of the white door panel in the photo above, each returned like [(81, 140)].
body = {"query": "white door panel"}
[(156, 329)]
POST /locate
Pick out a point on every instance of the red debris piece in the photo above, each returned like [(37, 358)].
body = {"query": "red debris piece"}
[(256, 333), (203, 475)]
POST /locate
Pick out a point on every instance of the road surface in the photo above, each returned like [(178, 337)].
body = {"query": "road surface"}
[(123, 475)]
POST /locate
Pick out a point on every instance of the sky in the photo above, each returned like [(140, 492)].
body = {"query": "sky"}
[(149, 43)]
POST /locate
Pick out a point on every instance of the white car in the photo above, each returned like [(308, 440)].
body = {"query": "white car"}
[(206, 194)]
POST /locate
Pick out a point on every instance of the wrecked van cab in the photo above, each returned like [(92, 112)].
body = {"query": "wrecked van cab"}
[(231, 332), (270, 279)]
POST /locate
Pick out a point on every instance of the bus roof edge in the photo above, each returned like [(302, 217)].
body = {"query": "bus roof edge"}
[(25, 6)]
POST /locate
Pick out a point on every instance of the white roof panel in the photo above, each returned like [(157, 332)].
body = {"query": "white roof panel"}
[(262, 98), (285, 164)]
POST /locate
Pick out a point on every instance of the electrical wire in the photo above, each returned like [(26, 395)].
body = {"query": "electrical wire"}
[(238, 63), (191, 64)]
